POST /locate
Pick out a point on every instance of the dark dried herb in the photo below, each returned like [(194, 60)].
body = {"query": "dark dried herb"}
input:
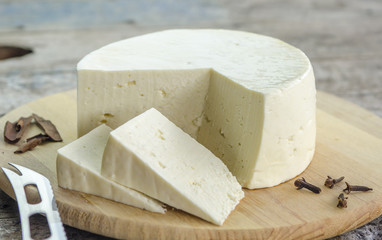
[(330, 182), (354, 188), (48, 127), (14, 131), (301, 183), (32, 143), (11, 52), (342, 202)]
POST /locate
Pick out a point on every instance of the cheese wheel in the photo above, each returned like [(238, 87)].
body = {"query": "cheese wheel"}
[(248, 98)]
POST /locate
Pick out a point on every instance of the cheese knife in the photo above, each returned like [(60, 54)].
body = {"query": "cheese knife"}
[(47, 206)]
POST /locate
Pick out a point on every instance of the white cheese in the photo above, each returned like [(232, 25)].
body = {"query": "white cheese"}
[(248, 98), (79, 169), (152, 155)]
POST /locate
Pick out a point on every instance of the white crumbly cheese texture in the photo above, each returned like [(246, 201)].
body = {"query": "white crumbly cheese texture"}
[(152, 155), (79, 169), (248, 98)]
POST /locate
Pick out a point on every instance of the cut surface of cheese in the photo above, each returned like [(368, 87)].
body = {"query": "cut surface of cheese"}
[(248, 98), (79, 169), (152, 155)]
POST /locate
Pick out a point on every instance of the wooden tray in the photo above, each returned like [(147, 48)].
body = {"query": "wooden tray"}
[(349, 143)]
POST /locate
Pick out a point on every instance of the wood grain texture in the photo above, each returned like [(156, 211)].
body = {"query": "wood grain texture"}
[(349, 143), (341, 37)]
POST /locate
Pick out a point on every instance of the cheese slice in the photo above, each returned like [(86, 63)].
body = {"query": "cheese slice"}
[(248, 98), (152, 155), (79, 169)]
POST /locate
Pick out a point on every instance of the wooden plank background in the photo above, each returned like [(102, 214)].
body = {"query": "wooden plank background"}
[(343, 39)]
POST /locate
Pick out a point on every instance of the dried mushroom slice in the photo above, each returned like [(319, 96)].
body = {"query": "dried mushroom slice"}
[(48, 127), (14, 131), (32, 143)]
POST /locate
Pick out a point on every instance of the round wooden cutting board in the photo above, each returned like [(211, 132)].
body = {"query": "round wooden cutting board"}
[(349, 143)]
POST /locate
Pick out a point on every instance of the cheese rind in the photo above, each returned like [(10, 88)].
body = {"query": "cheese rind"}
[(79, 167), (250, 99), (152, 155)]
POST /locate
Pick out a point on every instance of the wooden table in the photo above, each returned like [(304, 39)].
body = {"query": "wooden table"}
[(343, 39)]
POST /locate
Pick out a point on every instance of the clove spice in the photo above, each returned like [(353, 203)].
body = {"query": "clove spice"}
[(330, 182), (342, 202), (354, 188), (301, 183)]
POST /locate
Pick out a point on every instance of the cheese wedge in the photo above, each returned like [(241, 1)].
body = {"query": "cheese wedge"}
[(79, 169), (152, 155), (248, 98)]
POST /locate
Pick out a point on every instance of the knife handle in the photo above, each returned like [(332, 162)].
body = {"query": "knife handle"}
[(46, 207)]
